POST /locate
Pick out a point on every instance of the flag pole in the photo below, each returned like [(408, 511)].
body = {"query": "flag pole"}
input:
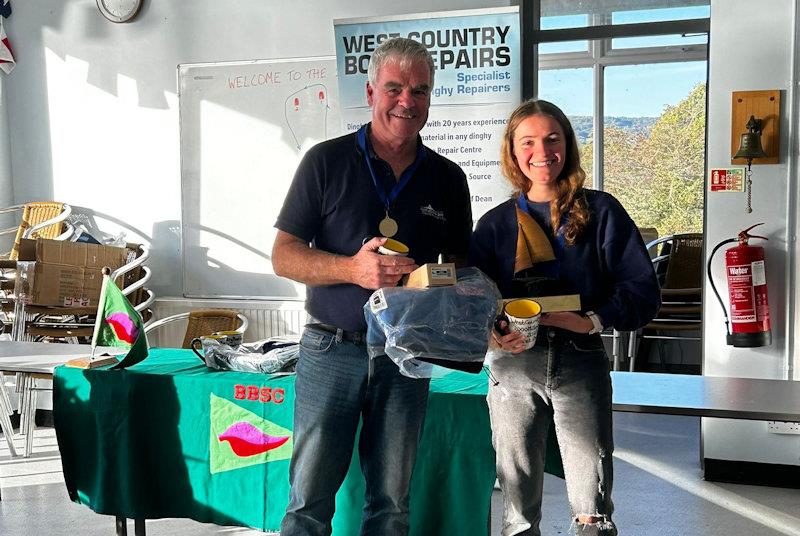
[(100, 306)]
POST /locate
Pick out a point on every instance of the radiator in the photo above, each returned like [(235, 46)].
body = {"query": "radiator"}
[(266, 318)]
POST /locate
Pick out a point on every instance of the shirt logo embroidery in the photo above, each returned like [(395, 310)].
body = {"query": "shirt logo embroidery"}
[(433, 213)]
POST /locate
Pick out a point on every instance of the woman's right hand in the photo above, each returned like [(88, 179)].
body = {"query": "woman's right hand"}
[(513, 341)]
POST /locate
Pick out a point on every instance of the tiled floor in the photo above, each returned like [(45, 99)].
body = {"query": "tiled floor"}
[(657, 491)]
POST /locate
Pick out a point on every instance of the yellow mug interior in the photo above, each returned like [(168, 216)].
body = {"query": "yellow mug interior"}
[(395, 245), (523, 308)]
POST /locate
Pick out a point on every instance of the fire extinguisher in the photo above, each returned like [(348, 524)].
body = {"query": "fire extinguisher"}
[(749, 324)]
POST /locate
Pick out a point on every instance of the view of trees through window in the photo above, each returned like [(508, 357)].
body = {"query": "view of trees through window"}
[(655, 165)]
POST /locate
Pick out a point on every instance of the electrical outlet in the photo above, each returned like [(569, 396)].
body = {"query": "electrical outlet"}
[(781, 427)]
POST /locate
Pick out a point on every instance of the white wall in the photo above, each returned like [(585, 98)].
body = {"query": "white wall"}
[(92, 105), (6, 191), (751, 49)]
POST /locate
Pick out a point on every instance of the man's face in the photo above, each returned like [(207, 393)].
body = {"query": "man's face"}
[(400, 101)]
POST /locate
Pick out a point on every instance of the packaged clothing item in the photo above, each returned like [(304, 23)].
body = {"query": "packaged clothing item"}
[(276, 354), (447, 326)]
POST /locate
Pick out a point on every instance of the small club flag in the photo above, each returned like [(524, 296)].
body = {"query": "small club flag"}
[(7, 61), (119, 324)]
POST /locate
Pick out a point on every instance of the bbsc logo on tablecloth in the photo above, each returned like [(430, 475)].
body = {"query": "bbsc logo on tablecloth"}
[(260, 394)]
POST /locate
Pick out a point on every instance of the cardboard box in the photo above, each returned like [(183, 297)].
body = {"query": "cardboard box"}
[(553, 304), (432, 275), (68, 273)]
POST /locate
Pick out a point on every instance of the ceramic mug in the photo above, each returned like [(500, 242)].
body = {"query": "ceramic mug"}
[(523, 315), (231, 338), (200, 343), (393, 247), (228, 338)]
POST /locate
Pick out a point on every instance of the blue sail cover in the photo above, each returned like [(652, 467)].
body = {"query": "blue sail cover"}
[(449, 326)]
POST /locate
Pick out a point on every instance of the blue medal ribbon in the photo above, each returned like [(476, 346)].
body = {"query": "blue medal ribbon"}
[(388, 199)]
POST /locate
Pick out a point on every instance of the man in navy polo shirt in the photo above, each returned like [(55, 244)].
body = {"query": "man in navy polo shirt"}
[(380, 181)]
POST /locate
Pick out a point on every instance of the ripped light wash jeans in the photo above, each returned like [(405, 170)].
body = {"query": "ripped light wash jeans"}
[(337, 384), (564, 377)]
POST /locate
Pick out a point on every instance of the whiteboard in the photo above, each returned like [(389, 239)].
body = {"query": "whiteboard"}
[(243, 128)]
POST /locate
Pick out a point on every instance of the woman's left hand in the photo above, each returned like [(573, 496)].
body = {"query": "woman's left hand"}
[(568, 321)]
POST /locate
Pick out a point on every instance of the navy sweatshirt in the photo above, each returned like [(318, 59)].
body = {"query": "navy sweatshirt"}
[(608, 265)]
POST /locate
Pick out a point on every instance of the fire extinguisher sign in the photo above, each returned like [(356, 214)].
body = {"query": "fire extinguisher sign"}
[(744, 297), (727, 180)]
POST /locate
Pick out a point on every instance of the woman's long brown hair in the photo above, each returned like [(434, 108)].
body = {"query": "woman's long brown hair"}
[(570, 200)]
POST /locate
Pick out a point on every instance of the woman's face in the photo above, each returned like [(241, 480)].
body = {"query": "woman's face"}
[(540, 150)]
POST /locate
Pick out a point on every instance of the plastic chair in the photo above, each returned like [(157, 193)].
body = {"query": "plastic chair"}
[(39, 219), (204, 322), (678, 262), (45, 219)]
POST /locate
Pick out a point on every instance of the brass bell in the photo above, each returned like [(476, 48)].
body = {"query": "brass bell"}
[(750, 142)]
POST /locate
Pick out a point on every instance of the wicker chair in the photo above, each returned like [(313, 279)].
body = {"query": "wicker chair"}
[(43, 219), (204, 322), (678, 261), (40, 219)]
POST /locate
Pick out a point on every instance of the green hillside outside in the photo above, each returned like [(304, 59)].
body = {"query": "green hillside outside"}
[(654, 165)]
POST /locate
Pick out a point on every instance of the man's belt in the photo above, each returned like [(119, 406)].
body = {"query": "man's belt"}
[(356, 337)]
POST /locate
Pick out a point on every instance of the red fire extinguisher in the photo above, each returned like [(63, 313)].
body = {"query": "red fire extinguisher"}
[(749, 325)]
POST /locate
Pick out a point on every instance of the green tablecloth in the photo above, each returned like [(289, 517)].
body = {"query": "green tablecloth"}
[(145, 443)]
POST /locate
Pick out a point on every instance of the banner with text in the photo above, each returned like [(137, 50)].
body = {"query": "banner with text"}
[(476, 86)]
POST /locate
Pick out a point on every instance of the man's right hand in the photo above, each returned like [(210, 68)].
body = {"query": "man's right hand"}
[(372, 270)]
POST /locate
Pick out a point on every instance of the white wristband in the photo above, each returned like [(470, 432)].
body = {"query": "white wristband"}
[(597, 322)]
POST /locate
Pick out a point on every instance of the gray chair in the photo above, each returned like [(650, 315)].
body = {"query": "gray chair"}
[(678, 262), (622, 338)]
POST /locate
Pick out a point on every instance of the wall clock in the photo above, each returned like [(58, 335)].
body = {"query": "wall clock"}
[(119, 10)]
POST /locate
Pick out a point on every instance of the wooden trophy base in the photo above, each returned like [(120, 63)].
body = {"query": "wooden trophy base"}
[(89, 363)]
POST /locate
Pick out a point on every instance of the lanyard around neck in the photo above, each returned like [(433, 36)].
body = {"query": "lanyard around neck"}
[(388, 199), (558, 249)]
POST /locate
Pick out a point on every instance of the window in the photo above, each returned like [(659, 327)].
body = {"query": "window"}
[(636, 95)]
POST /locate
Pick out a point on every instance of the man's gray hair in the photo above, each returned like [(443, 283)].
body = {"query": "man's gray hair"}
[(405, 51)]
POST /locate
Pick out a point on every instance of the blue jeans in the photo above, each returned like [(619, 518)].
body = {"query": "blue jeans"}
[(337, 384), (565, 378)]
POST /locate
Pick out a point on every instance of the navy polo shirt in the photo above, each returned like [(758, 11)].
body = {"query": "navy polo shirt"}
[(332, 204)]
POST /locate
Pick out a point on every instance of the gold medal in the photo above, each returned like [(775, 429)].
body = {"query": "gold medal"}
[(387, 227)]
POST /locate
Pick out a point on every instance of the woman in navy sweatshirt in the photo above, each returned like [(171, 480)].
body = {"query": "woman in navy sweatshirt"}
[(556, 237)]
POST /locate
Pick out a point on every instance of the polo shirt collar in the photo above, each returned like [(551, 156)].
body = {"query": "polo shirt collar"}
[(422, 151)]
